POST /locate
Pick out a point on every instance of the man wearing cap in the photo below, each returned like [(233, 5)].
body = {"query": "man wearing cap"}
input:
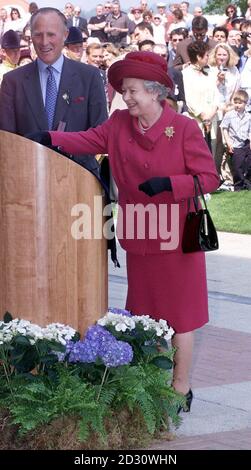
[(74, 44), (154, 153), (161, 7), (11, 52)]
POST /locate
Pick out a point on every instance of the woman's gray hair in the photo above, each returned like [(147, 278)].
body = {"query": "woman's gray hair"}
[(156, 87)]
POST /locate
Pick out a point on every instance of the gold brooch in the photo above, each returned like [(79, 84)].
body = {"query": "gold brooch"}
[(169, 131)]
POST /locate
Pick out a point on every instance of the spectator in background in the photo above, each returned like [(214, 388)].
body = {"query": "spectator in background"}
[(220, 34), (248, 11), (146, 45), (16, 22), (236, 127), (78, 21), (68, 10), (147, 17), (231, 13), (117, 25), (187, 17), (201, 91), (74, 44), (159, 30), (178, 22), (176, 36), (135, 15), (96, 24), (11, 52), (223, 61), (161, 7), (32, 8), (142, 31), (3, 21), (199, 33), (197, 11)]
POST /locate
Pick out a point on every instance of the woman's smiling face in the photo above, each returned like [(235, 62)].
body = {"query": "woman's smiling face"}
[(138, 100)]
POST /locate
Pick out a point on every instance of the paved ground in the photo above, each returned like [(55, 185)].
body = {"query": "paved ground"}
[(220, 418)]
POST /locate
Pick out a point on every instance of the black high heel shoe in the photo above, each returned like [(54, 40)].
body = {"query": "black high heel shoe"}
[(187, 406)]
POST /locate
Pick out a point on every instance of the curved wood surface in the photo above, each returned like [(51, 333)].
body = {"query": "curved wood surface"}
[(45, 274)]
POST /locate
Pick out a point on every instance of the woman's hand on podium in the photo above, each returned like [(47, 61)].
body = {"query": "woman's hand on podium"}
[(41, 137), (44, 138)]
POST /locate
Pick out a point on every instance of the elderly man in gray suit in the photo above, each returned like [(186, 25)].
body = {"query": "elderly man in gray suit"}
[(77, 99)]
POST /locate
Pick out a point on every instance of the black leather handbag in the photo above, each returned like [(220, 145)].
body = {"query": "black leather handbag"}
[(199, 230)]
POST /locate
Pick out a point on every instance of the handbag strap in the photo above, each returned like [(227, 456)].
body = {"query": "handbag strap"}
[(198, 192)]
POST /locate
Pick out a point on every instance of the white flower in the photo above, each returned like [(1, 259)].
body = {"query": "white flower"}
[(66, 97)]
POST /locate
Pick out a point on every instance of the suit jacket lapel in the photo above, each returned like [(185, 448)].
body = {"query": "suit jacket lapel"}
[(34, 97)]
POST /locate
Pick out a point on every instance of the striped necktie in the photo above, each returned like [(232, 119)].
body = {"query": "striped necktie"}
[(51, 96)]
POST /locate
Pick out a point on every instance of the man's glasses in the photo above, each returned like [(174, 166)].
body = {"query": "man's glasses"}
[(199, 35), (177, 40)]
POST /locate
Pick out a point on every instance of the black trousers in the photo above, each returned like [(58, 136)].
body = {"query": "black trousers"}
[(241, 167)]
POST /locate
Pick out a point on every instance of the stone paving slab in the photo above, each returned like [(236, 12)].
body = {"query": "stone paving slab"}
[(220, 417), (232, 440)]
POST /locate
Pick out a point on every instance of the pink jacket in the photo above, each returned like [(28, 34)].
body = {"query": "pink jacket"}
[(134, 158)]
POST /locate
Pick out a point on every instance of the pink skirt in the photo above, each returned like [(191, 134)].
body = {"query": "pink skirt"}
[(169, 286)]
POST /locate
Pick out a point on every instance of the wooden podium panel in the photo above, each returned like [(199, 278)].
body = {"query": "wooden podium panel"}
[(46, 275)]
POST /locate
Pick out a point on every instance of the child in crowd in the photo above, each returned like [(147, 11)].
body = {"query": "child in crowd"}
[(236, 128)]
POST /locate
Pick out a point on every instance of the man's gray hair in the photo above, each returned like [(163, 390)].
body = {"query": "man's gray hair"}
[(45, 11)]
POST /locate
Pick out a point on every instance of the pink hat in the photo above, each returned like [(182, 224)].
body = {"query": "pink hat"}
[(144, 65)]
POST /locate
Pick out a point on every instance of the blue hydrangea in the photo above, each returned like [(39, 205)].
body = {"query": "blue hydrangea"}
[(99, 344), (118, 353), (120, 311)]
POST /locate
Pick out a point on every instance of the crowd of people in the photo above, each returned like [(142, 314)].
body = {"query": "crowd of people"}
[(209, 58)]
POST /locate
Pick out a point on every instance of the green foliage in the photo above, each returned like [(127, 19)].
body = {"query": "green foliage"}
[(218, 6), (231, 211), (37, 390)]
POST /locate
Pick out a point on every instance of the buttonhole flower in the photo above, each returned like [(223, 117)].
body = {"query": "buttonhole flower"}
[(66, 97)]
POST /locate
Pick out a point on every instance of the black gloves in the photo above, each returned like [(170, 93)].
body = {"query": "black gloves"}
[(156, 185), (42, 137)]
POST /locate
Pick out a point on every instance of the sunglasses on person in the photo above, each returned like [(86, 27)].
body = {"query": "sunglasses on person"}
[(199, 35), (177, 40)]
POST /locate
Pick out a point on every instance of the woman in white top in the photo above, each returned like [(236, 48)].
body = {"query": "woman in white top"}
[(223, 61), (201, 91)]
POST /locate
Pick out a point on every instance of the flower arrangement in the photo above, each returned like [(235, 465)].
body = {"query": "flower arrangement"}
[(117, 375)]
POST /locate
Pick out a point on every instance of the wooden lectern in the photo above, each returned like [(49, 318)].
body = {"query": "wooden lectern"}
[(47, 275)]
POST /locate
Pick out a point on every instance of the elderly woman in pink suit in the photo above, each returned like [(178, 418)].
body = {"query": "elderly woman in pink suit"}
[(154, 154)]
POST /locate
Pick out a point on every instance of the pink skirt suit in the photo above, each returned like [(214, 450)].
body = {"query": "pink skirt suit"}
[(165, 284)]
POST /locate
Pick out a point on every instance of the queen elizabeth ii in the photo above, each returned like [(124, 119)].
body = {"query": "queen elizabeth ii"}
[(154, 153)]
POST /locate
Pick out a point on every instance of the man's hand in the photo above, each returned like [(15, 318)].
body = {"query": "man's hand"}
[(156, 185)]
